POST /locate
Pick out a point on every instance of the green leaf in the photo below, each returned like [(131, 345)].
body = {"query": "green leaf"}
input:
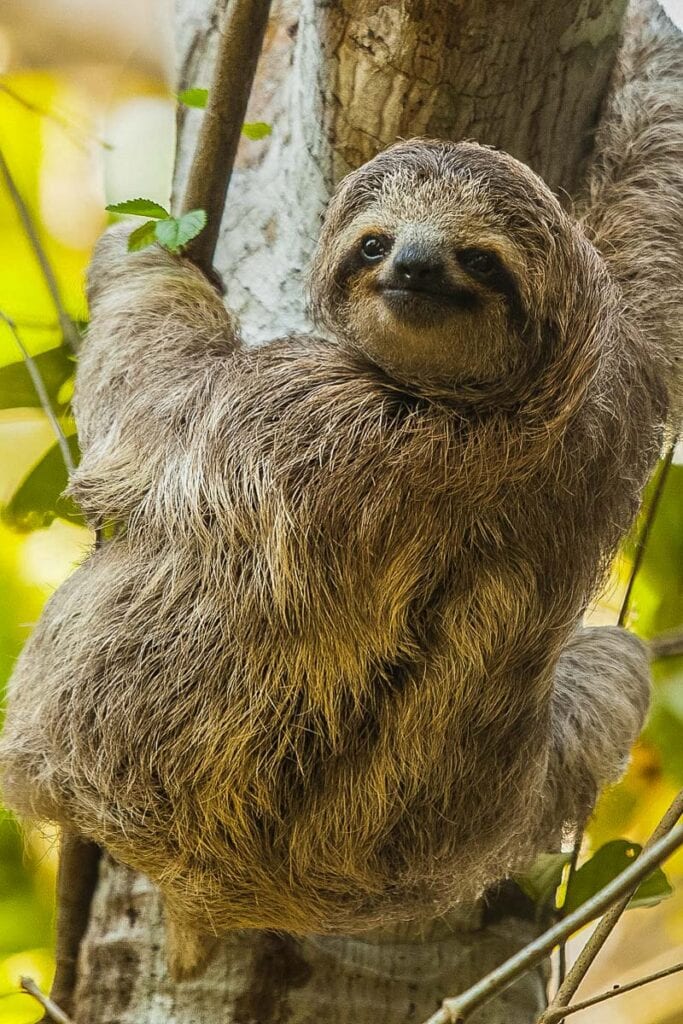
[(139, 208), (143, 236), (39, 501), (256, 129), (540, 882), (176, 232), (608, 862), (66, 392), (16, 387), (194, 97)]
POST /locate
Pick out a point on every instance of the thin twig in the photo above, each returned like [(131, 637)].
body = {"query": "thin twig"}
[(644, 535), (576, 850), (564, 1011), (564, 994), (41, 391), (207, 186), (457, 1009), (68, 329), (78, 133), (52, 1011)]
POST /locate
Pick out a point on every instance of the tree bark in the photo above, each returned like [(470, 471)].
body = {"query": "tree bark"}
[(339, 81)]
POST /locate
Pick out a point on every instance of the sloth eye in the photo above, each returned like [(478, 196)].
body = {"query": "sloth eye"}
[(374, 248), (478, 262)]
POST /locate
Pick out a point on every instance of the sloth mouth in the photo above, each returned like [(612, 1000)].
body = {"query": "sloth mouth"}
[(406, 298)]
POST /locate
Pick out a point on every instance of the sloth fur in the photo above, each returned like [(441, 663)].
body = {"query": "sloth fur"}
[(327, 673)]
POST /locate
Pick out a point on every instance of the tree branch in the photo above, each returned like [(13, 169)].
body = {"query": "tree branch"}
[(456, 1010), (558, 1015), (238, 54), (604, 929), (68, 329), (576, 850)]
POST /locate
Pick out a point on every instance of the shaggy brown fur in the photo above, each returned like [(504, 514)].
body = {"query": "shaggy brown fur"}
[(327, 673)]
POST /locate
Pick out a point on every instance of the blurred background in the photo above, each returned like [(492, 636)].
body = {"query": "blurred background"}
[(87, 117)]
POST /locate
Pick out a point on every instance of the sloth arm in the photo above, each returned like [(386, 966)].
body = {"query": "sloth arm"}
[(633, 210), (159, 341), (599, 704)]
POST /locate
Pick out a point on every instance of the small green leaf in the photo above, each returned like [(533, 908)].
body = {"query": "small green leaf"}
[(16, 387), (139, 208), (66, 392), (256, 129), (194, 97), (143, 236), (39, 501), (540, 882), (604, 866), (176, 232)]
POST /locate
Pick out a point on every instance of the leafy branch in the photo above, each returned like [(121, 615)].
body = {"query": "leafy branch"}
[(195, 231), (239, 50), (616, 895), (198, 98), (609, 921)]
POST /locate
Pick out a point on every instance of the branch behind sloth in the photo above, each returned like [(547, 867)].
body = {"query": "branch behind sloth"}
[(326, 674)]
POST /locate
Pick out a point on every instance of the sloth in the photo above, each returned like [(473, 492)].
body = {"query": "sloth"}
[(328, 672)]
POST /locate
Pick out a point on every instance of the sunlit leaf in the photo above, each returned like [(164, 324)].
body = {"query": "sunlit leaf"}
[(540, 882), (66, 392), (194, 97), (16, 387), (604, 866), (39, 499), (176, 232), (139, 208), (256, 129)]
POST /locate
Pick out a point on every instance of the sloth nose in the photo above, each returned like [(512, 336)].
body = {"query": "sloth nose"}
[(416, 263)]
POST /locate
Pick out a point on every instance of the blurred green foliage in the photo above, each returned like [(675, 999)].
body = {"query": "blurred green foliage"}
[(26, 865), (32, 475)]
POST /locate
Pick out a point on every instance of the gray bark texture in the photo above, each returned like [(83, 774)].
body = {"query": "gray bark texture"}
[(339, 80)]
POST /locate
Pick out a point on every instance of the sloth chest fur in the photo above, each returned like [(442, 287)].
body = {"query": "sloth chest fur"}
[(360, 568), (399, 543)]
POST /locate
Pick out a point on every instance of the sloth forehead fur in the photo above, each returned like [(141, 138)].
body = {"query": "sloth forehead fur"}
[(441, 261)]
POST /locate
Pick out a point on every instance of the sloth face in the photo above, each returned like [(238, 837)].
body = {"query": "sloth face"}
[(434, 262)]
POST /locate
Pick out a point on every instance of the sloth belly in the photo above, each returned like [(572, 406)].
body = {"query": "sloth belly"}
[(259, 787)]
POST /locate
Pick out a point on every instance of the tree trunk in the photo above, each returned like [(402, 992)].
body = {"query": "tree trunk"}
[(339, 81)]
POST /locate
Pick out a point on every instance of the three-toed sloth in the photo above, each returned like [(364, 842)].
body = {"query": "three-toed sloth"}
[(327, 672)]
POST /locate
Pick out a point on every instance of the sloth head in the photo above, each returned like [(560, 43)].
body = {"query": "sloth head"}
[(449, 263)]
